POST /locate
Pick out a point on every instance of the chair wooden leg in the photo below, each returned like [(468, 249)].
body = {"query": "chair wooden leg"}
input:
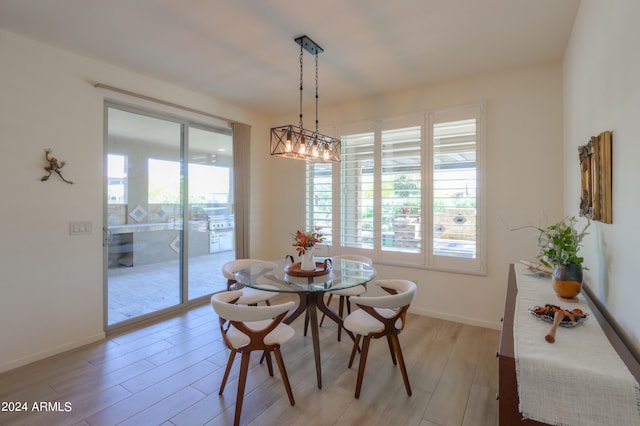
[(323, 315), (232, 356), (356, 341), (283, 374), (362, 364), (403, 368), (233, 285), (267, 356), (242, 381), (393, 353)]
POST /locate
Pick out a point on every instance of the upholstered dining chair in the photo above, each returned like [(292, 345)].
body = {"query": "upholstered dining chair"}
[(346, 293), (381, 316), (252, 328), (250, 296)]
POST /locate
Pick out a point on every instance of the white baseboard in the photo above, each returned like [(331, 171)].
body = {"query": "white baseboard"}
[(10, 365), (464, 320)]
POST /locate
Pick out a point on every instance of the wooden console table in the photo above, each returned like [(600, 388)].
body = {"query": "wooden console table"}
[(509, 413)]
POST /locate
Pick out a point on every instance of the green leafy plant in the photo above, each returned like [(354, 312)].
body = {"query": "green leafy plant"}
[(559, 243)]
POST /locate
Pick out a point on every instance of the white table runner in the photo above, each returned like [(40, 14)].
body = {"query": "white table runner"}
[(578, 380)]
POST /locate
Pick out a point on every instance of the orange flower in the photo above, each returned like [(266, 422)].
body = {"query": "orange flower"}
[(304, 240)]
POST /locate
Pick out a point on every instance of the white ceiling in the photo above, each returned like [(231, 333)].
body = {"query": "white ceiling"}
[(242, 51)]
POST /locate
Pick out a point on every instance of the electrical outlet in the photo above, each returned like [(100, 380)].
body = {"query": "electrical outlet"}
[(80, 228)]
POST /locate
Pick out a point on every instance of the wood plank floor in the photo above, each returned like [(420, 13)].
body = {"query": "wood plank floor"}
[(168, 373)]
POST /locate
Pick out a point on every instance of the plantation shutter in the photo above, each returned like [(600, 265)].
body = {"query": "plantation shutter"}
[(357, 195)]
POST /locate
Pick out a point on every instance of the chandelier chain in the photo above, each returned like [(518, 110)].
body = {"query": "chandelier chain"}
[(301, 79), (316, 92)]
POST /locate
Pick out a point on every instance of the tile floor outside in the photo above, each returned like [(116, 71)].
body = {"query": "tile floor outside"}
[(139, 290)]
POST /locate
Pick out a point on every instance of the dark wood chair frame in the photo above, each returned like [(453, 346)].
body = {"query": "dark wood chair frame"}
[(391, 332), (256, 343)]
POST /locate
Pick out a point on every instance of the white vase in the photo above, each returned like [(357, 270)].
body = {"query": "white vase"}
[(308, 263)]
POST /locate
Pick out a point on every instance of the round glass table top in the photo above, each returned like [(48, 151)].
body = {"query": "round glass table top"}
[(343, 274)]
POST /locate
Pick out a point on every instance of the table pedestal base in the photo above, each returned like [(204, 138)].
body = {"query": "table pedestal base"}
[(310, 303)]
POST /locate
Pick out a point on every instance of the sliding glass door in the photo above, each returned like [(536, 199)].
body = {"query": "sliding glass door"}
[(168, 222), (211, 231)]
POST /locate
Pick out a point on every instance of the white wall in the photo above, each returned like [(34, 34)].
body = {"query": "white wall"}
[(51, 293), (601, 92), (524, 174)]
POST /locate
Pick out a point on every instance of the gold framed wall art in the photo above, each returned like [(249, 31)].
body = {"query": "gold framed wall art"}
[(595, 170)]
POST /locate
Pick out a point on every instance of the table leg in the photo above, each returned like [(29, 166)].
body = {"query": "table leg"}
[(309, 304), (326, 309), (302, 306), (315, 334)]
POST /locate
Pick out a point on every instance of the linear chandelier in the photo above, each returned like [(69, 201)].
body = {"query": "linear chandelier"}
[(297, 142)]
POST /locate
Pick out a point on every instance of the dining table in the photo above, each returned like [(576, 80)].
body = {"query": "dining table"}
[(330, 274)]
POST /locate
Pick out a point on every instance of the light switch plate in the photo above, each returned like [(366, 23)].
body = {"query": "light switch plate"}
[(80, 228)]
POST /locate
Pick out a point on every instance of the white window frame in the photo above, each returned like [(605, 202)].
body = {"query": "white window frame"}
[(425, 259)]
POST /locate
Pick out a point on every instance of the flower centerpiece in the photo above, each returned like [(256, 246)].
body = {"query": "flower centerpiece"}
[(304, 242), (559, 245)]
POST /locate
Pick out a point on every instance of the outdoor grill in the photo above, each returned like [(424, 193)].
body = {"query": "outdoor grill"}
[(221, 225)]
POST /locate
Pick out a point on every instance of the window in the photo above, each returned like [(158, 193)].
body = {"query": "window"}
[(319, 204), (454, 188), (116, 179), (408, 191), (164, 181), (357, 212), (401, 197), (207, 184)]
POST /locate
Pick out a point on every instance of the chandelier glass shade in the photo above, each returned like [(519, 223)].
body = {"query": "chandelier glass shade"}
[(296, 142)]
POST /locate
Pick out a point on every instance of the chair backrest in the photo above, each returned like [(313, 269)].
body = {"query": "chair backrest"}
[(401, 295), (225, 308), (357, 257), (230, 268)]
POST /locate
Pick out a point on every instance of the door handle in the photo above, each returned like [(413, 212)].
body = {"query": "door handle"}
[(108, 236)]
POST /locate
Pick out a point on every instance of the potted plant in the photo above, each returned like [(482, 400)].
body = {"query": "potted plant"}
[(559, 245)]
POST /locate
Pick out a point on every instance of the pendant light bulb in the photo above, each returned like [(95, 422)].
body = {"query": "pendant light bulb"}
[(303, 146), (288, 145), (325, 153)]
